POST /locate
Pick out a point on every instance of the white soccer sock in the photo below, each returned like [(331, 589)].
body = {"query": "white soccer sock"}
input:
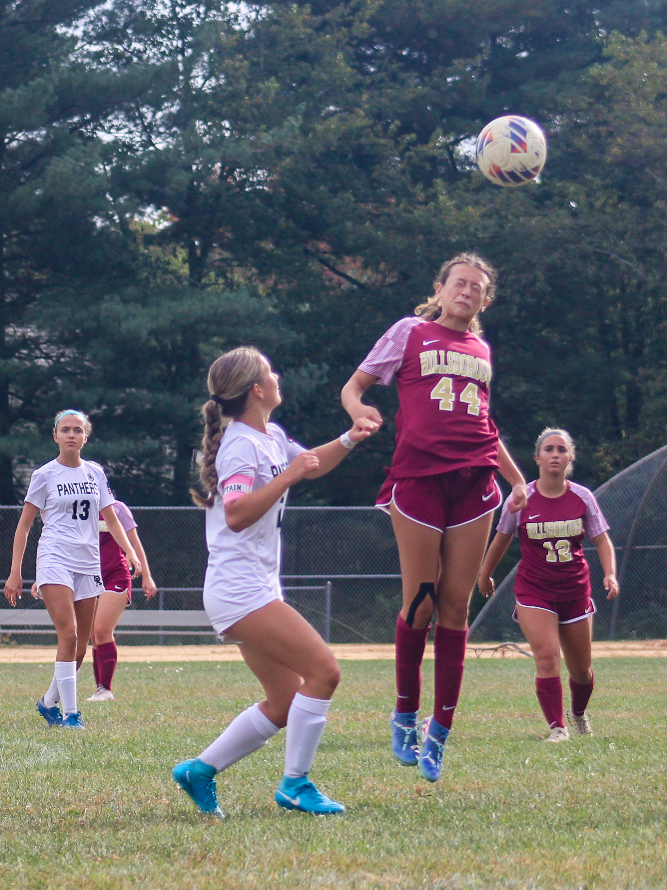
[(52, 696), (66, 678), (306, 720), (246, 733)]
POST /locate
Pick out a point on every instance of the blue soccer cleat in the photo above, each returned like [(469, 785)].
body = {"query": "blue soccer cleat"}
[(196, 778), (53, 716), (73, 721), (433, 737), (404, 744), (301, 794)]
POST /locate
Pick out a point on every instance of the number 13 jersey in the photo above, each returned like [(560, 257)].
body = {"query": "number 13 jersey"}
[(69, 500)]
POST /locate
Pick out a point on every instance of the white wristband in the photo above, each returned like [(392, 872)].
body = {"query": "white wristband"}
[(346, 441)]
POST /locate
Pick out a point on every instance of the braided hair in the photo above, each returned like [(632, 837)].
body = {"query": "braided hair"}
[(230, 379)]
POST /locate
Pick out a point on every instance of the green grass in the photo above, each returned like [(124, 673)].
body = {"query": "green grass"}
[(97, 809)]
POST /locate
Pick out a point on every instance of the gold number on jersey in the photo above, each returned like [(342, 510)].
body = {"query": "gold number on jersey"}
[(558, 553), (470, 397), (443, 392)]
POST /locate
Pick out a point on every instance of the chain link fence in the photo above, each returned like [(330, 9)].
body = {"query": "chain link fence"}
[(340, 568)]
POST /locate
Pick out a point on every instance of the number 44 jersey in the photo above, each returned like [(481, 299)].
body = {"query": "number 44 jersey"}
[(69, 500)]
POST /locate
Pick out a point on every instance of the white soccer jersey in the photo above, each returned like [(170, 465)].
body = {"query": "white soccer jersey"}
[(70, 500), (243, 570)]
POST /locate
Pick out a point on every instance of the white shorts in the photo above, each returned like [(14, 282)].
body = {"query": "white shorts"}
[(84, 586), (223, 612)]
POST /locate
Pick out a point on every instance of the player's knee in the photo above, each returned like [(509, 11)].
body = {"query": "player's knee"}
[(67, 637), (547, 661), (420, 610), (330, 677), (453, 615), (581, 676)]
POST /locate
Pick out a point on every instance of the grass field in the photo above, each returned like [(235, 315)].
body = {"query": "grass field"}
[(97, 809)]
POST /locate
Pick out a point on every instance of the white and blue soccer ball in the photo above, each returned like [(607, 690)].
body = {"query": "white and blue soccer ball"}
[(511, 150)]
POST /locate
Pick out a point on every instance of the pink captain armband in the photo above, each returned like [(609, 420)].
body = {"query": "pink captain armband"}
[(235, 487)]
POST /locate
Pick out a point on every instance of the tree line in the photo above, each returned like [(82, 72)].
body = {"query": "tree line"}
[(178, 178)]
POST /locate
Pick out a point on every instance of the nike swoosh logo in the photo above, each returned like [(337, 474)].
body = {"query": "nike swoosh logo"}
[(485, 497), (448, 708), (294, 801), (428, 342), (534, 517)]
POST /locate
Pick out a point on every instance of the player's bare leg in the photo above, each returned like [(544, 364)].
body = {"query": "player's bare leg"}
[(110, 606), (59, 602), (299, 674), (541, 629), (576, 643)]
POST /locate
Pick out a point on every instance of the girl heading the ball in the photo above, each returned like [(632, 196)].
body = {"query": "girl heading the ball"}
[(440, 490)]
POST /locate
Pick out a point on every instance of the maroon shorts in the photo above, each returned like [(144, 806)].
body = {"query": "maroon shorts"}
[(118, 580), (567, 611), (443, 500)]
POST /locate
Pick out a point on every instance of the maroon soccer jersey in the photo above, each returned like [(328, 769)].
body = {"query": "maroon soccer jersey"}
[(112, 557), (443, 379), (551, 532)]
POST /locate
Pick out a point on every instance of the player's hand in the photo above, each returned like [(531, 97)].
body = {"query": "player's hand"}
[(13, 588), (363, 428), (611, 586), (486, 585), (34, 593), (519, 498), (148, 586), (304, 463), (133, 562), (366, 412)]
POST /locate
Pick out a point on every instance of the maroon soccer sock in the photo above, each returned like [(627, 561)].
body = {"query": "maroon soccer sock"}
[(550, 696), (410, 645), (96, 668), (450, 653), (107, 657), (581, 694)]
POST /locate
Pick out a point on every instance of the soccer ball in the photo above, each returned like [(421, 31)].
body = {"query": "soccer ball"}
[(511, 150)]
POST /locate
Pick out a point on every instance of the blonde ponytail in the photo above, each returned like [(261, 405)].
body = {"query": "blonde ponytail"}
[(230, 379)]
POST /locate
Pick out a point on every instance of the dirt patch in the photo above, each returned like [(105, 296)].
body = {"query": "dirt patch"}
[(145, 654)]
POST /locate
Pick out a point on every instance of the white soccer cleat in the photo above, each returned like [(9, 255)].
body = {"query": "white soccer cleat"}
[(102, 694), (580, 724), (558, 734)]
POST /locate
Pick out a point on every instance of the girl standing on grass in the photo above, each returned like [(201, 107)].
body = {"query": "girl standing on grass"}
[(247, 468), (440, 491), (552, 586), (70, 494), (117, 594)]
